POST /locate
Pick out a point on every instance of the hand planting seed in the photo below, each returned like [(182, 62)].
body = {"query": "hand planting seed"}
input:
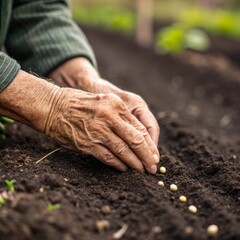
[(182, 199), (162, 170), (212, 230), (10, 184), (173, 187), (161, 183), (192, 209)]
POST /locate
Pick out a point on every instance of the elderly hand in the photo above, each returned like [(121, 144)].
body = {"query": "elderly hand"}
[(95, 124), (79, 73), (102, 126)]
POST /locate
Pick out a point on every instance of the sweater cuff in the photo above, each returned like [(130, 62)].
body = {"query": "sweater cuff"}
[(8, 70)]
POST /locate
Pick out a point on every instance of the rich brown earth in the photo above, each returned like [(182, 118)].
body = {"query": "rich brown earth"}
[(198, 110)]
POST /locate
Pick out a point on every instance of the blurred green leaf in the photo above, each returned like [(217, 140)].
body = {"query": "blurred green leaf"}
[(197, 40), (171, 39)]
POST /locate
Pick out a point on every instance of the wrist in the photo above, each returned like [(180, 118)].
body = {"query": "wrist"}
[(28, 99)]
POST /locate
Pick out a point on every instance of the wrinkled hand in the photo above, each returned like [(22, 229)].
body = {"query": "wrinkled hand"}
[(102, 126), (138, 107), (79, 73)]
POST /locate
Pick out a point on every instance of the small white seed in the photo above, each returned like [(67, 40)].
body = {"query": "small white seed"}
[(162, 170), (192, 209), (212, 230), (173, 187), (161, 183), (182, 199)]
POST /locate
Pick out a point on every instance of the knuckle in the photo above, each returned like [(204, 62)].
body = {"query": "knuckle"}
[(121, 149), (137, 140), (108, 157)]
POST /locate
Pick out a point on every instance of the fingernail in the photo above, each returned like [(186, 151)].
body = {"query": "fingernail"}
[(153, 169), (156, 158)]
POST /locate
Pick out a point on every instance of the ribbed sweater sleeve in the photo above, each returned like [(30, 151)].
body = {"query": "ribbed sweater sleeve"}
[(42, 35), (8, 70)]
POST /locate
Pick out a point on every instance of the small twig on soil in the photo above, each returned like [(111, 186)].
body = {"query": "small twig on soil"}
[(56, 150), (119, 234)]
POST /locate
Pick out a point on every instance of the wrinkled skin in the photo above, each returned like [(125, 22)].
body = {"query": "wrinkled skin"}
[(79, 73), (101, 125)]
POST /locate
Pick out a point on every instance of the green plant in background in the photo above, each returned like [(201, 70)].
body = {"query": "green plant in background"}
[(176, 38), (10, 185), (216, 22), (107, 17), (53, 207), (4, 120)]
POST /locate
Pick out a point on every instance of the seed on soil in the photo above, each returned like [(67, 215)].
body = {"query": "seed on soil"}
[(173, 187), (102, 225), (41, 189), (212, 230), (182, 199), (106, 209), (161, 183), (162, 170), (192, 209)]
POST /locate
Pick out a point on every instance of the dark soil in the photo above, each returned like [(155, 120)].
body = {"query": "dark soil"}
[(198, 111)]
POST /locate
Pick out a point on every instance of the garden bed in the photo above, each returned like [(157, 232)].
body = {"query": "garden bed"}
[(198, 111)]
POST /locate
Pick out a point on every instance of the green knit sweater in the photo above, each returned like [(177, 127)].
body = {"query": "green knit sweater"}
[(38, 35)]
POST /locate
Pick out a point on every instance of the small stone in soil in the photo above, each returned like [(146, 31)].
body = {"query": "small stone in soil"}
[(106, 209), (156, 229), (188, 230), (102, 225)]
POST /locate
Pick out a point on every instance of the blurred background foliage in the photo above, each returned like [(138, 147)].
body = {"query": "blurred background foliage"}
[(179, 24)]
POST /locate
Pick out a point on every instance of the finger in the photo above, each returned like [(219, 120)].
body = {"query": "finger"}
[(140, 127), (150, 122), (136, 141), (108, 158), (120, 149)]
